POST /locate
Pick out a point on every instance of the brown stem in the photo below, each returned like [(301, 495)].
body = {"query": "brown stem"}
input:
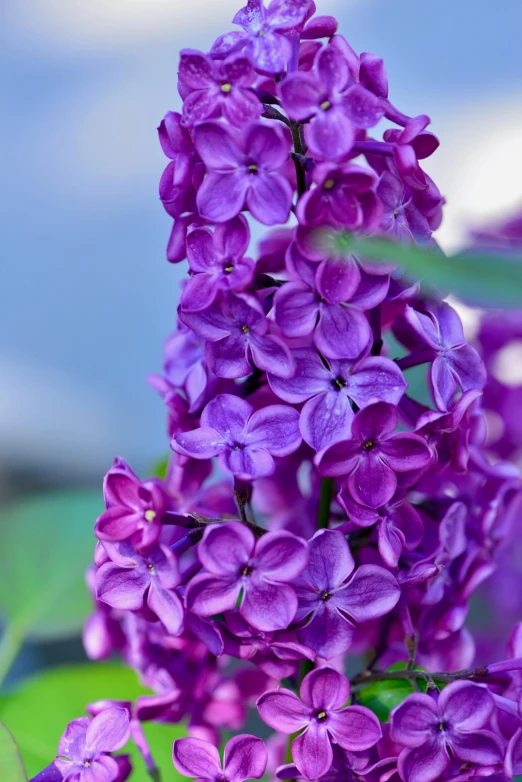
[(366, 677)]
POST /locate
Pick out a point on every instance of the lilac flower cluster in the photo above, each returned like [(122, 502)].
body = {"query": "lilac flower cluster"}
[(318, 505)]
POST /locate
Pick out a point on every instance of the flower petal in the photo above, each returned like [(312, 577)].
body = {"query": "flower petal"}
[(466, 705), (266, 606), (481, 747), (222, 196), (121, 587), (423, 764), (202, 443), (372, 482), (208, 595), (342, 332), (328, 632), (217, 146), (108, 731), (196, 758), (355, 728), (312, 751), (274, 428), (325, 689), (325, 419), (404, 452), (281, 556), (226, 548), (283, 711), (269, 198), (413, 721), (372, 592), (245, 758), (167, 607), (227, 414)]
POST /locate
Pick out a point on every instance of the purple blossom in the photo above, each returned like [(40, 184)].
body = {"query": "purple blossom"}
[(180, 178), (431, 729), (324, 692), (245, 440), (134, 582), (455, 362), (244, 171), (83, 751), (401, 217), (235, 327), (217, 88), (261, 570), (217, 262), (244, 757), (334, 596), (328, 388), (374, 456), (411, 145)]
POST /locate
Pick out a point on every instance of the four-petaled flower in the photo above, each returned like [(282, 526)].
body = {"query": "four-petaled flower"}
[(244, 757)]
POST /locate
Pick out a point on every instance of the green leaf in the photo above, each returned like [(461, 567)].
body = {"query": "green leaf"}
[(38, 712), (483, 278), (382, 697), (11, 764), (159, 468), (47, 543)]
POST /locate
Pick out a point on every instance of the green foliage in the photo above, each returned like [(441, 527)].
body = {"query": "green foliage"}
[(382, 697), (11, 764), (159, 468), (483, 278), (38, 712)]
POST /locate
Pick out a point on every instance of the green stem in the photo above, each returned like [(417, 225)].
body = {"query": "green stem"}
[(380, 676), (10, 646), (325, 500)]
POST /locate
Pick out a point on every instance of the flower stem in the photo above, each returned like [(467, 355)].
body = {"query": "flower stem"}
[(379, 676), (325, 500), (10, 646)]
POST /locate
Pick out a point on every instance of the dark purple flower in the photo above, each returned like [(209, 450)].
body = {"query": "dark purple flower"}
[(176, 188), (217, 262), (327, 415), (411, 145), (84, 747), (431, 730), (374, 456), (245, 441), (218, 88), (261, 570), (132, 582), (244, 172), (324, 692), (244, 757), (235, 327), (456, 363), (333, 605)]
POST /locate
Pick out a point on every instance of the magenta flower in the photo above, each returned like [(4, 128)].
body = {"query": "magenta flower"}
[(456, 363), (235, 327), (324, 692), (374, 456), (411, 145), (334, 605), (217, 262), (261, 570), (84, 747), (245, 440), (217, 88), (176, 187), (244, 172), (433, 731), (244, 757), (131, 582), (327, 415)]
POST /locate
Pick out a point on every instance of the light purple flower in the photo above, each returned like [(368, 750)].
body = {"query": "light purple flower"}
[(244, 757), (131, 582), (456, 363), (401, 217), (327, 415), (334, 605), (243, 172), (176, 187), (324, 692), (261, 570), (245, 440), (84, 747), (431, 730), (374, 456), (218, 88), (235, 327), (217, 262)]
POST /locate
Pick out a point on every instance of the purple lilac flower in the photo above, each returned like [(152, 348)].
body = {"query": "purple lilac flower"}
[(334, 596), (244, 757), (130, 581), (235, 327), (244, 171), (401, 217), (217, 262), (177, 185), (411, 145), (266, 30), (375, 457), (327, 415), (83, 751), (245, 441), (261, 570), (431, 729), (513, 759), (217, 88), (455, 363), (324, 692)]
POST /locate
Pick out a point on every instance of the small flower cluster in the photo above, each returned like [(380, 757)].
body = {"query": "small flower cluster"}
[(350, 512)]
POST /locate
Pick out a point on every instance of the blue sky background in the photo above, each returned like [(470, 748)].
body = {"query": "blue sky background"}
[(87, 297)]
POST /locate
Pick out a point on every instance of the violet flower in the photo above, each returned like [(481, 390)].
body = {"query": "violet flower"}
[(334, 605), (374, 457), (244, 757), (327, 415), (401, 217), (411, 145), (244, 172), (217, 262), (434, 730), (261, 570), (218, 88), (176, 187), (320, 712)]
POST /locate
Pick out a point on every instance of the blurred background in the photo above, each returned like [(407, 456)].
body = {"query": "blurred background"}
[(87, 295)]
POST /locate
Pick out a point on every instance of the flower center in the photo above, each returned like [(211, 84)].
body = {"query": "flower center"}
[(228, 269), (329, 184), (321, 716), (325, 596), (325, 105), (226, 88), (442, 726), (150, 515), (87, 763), (152, 569), (252, 169), (245, 329), (339, 383), (368, 445), (247, 570)]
